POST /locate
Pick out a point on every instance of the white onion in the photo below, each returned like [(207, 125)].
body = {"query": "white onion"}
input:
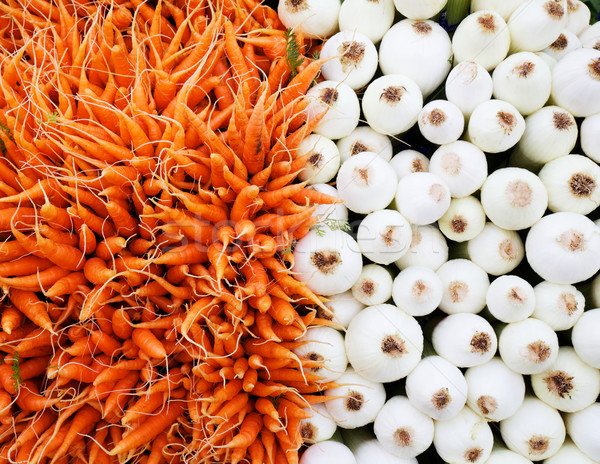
[(510, 298), (465, 286), (417, 290), (493, 390), (437, 388), (583, 429), (570, 454), (464, 439), (363, 138), (324, 161), (428, 248), (408, 161), (506, 456), (535, 431), (366, 183), (392, 103), (590, 137), (579, 16), (524, 80), (327, 452), (325, 345), (341, 308), (497, 251), (314, 18), (402, 429), (495, 126), (422, 9), (558, 305), (572, 183), (461, 165), (335, 212), (320, 427), (566, 42), (359, 400), (422, 197), (383, 343), (483, 38), (420, 50), (372, 18), (584, 337), (570, 385), (464, 219), (329, 264), (529, 346), (384, 236), (354, 59), (503, 7), (514, 198), (536, 24), (564, 248), (468, 85), (464, 339), (341, 107), (373, 286), (367, 449), (576, 82), (441, 121), (549, 133)]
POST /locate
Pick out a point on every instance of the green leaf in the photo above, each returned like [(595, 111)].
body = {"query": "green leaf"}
[(16, 376), (293, 56)]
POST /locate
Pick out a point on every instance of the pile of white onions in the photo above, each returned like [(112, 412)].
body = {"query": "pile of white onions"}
[(463, 263)]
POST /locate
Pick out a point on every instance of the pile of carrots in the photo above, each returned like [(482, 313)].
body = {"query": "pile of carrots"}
[(148, 211)]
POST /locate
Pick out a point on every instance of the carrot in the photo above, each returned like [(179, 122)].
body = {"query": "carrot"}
[(11, 250), (147, 341), (36, 282), (109, 247), (282, 311), (11, 319), (83, 422), (97, 272), (107, 344), (150, 428), (29, 399), (87, 240), (250, 380), (244, 200), (24, 266), (301, 82), (117, 399), (289, 375), (66, 256), (125, 224), (143, 406), (256, 450), (273, 425), (20, 216), (230, 408), (94, 300), (254, 151), (67, 285), (264, 328), (122, 324), (66, 238), (249, 430), (31, 306)]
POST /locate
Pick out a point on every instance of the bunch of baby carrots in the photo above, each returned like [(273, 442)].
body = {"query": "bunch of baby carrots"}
[(148, 211)]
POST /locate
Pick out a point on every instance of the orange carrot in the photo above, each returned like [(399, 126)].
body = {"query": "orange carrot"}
[(150, 428), (147, 341), (31, 306)]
